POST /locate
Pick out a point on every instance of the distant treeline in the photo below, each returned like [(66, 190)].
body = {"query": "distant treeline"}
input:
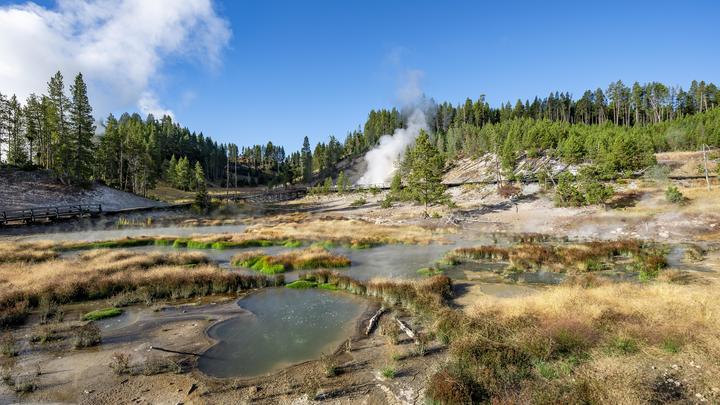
[(618, 128)]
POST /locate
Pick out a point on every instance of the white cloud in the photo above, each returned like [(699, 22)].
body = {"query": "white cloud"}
[(119, 46), (149, 104)]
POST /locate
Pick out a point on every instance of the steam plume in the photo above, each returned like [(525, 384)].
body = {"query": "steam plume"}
[(382, 160)]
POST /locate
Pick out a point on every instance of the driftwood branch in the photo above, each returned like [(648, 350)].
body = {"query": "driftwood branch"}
[(174, 351), (405, 328), (374, 320)]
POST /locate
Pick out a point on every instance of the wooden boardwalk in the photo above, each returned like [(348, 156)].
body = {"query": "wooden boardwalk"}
[(38, 214)]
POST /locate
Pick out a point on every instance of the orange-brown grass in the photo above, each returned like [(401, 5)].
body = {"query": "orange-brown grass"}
[(570, 344), (310, 258), (428, 295), (343, 231), (580, 256), (104, 273), (11, 252)]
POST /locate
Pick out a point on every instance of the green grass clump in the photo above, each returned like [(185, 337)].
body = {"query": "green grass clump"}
[(164, 242), (194, 244), (388, 372), (292, 243), (325, 244), (328, 286), (429, 271), (302, 284), (180, 243), (671, 345), (622, 345), (262, 264), (102, 314)]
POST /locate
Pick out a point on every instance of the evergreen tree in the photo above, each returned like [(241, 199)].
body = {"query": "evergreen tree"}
[(183, 174), (202, 199), (61, 158), (81, 129), (17, 153), (342, 182), (426, 169), (306, 160)]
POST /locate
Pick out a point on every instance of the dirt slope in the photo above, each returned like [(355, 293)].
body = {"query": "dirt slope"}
[(27, 189)]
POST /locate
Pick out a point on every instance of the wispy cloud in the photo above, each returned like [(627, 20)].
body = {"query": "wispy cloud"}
[(120, 46)]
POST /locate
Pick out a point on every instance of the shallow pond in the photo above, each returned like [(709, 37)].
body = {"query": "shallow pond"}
[(284, 327)]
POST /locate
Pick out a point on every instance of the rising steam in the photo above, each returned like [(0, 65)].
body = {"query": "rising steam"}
[(382, 161)]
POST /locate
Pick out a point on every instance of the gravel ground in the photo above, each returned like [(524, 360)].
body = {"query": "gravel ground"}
[(27, 189)]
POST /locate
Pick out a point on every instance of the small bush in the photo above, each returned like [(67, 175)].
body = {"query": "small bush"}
[(674, 196), (386, 203), (8, 345), (359, 202), (86, 336), (102, 314), (329, 365), (120, 363)]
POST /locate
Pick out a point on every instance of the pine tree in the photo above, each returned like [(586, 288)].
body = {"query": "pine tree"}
[(4, 115), (425, 175), (170, 175), (198, 176), (202, 199), (307, 163), (33, 127), (57, 111), (17, 153), (183, 175), (342, 182), (81, 129)]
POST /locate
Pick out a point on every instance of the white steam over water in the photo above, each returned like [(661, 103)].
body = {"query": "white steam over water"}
[(382, 161)]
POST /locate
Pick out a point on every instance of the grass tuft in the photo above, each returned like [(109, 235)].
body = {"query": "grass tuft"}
[(102, 314)]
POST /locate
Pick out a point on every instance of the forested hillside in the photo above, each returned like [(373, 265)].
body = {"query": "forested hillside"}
[(619, 129)]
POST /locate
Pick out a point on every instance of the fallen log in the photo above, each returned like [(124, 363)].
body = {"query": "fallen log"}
[(405, 328), (173, 351), (374, 320)]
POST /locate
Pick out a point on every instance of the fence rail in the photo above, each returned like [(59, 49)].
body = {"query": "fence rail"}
[(30, 215)]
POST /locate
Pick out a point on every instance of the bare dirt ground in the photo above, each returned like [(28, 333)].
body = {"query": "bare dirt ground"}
[(639, 210), (84, 376), (27, 189)]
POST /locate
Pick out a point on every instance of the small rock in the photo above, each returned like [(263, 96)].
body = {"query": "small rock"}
[(86, 392)]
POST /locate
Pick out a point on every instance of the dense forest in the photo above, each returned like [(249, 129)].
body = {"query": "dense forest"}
[(618, 129)]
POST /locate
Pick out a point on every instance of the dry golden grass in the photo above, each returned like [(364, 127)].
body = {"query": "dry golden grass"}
[(617, 333), (103, 273), (342, 230)]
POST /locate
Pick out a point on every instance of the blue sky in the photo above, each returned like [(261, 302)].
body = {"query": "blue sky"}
[(315, 68)]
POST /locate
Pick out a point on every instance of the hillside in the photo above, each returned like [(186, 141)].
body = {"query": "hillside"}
[(21, 189)]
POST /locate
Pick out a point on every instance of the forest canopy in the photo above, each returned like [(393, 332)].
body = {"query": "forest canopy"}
[(618, 129)]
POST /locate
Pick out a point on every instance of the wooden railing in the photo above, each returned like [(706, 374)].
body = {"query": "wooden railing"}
[(49, 213)]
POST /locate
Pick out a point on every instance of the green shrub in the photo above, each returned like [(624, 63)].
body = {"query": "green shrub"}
[(388, 372), (386, 202), (101, 314), (674, 196), (359, 202), (328, 286)]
